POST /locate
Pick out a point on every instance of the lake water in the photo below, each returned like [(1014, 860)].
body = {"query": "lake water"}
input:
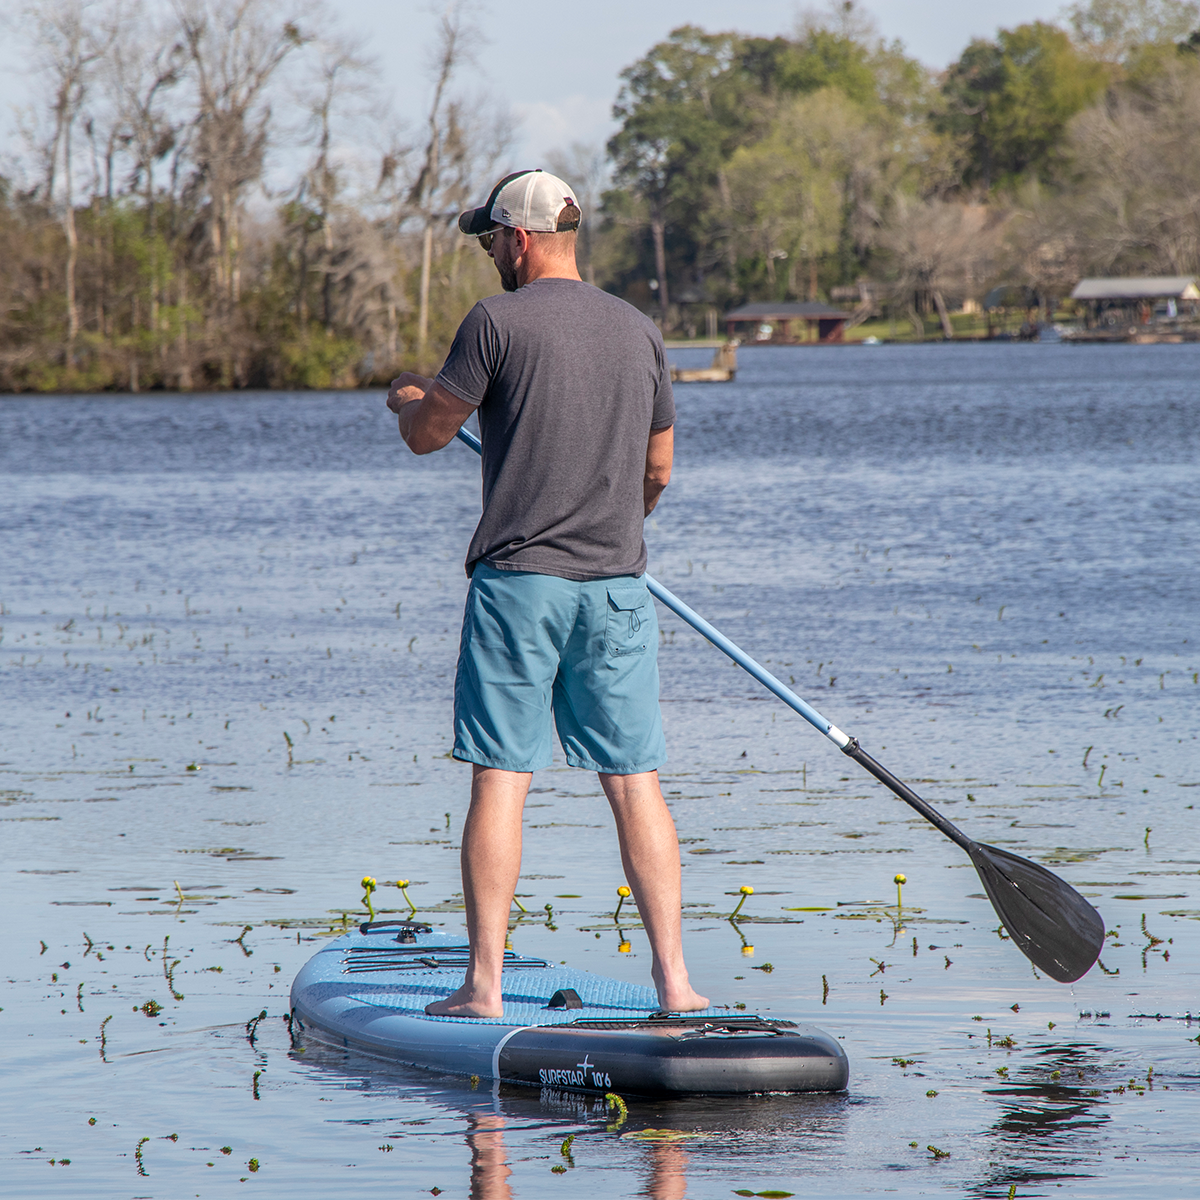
[(229, 627)]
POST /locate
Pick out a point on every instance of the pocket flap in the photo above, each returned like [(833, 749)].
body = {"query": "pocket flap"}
[(626, 599)]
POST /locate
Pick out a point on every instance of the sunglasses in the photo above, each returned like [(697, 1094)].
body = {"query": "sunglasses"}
[(486, 239)]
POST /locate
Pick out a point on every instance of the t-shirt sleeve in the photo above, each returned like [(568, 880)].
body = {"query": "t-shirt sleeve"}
[(664, 397), (474, 355)]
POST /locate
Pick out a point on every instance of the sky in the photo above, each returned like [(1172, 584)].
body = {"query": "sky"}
[(554, 68)]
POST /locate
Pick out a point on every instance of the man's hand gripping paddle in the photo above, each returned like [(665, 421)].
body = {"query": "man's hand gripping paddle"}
[(1050, 922)]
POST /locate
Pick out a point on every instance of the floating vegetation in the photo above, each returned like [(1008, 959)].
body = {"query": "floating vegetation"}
[(169, 969), (1063, 855), (613, 1101), (665, 1135), (623, 894), (252, 1026)]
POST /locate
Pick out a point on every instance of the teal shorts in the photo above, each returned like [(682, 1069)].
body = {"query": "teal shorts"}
[(587, 653)]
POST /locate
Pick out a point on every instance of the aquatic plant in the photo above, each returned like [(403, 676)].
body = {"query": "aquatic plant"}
[(746, 890), (368, 886), (623, 894), (402, 884)]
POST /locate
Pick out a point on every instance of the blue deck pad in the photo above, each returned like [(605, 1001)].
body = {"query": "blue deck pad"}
[(526, 994), (391, 976)]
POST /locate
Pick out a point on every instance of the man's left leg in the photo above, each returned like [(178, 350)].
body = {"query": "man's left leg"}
[(650, 855)]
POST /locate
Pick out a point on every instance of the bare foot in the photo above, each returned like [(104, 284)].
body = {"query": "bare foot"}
[(466, 1003), (677, 994), (681, 1000)]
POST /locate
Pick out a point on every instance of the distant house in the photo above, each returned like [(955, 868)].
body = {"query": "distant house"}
[(783, 322)]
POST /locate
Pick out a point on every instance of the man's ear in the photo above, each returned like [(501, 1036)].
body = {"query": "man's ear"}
[(522, 239)]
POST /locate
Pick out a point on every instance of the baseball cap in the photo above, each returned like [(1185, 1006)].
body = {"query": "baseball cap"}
[(530, 200)]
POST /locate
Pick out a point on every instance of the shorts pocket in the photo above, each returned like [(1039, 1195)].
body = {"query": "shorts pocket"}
[(627, 626)]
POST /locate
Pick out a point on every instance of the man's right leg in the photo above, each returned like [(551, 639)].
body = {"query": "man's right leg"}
[(650, 856), (491, 865)]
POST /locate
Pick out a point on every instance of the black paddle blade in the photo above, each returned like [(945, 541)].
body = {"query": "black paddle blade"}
[(1047, 919)]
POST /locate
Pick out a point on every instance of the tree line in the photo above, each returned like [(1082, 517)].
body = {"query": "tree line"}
[(831, 164), (211, 193)]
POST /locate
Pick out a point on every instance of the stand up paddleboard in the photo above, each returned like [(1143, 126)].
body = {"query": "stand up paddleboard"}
[(561, 1028)]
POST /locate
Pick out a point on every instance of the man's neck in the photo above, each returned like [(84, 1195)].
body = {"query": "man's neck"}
[(542, 266)]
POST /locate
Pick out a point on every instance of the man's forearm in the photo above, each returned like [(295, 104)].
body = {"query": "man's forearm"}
[(407, 414), (652, 489), (660, 455)]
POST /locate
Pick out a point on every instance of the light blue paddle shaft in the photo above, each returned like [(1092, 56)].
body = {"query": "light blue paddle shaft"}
[(722, 643)]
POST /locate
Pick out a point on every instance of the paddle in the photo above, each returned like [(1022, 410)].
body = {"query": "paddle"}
[(1050, 922)]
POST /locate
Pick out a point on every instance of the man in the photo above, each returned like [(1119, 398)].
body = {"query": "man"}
[(576, 417)]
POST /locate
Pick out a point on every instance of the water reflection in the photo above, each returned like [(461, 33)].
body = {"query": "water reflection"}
[(654, 1140), (490, 1171), (667, 1175), (1046, 1123), (665, 1169)]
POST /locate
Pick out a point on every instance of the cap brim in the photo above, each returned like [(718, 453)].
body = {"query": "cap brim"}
[(476, 221)]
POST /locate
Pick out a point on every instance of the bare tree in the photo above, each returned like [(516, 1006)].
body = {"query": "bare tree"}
[(938, 247), (456, 38), (141, 73), (1135, 205), (234, 48), (340, 79), (1113, 29), (70, 36)]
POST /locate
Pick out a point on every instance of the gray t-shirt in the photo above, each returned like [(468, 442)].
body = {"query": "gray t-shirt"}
[(569, 381)]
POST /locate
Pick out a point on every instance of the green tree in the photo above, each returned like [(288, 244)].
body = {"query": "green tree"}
[(697, 101), (1010, 101), (677, 126)]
